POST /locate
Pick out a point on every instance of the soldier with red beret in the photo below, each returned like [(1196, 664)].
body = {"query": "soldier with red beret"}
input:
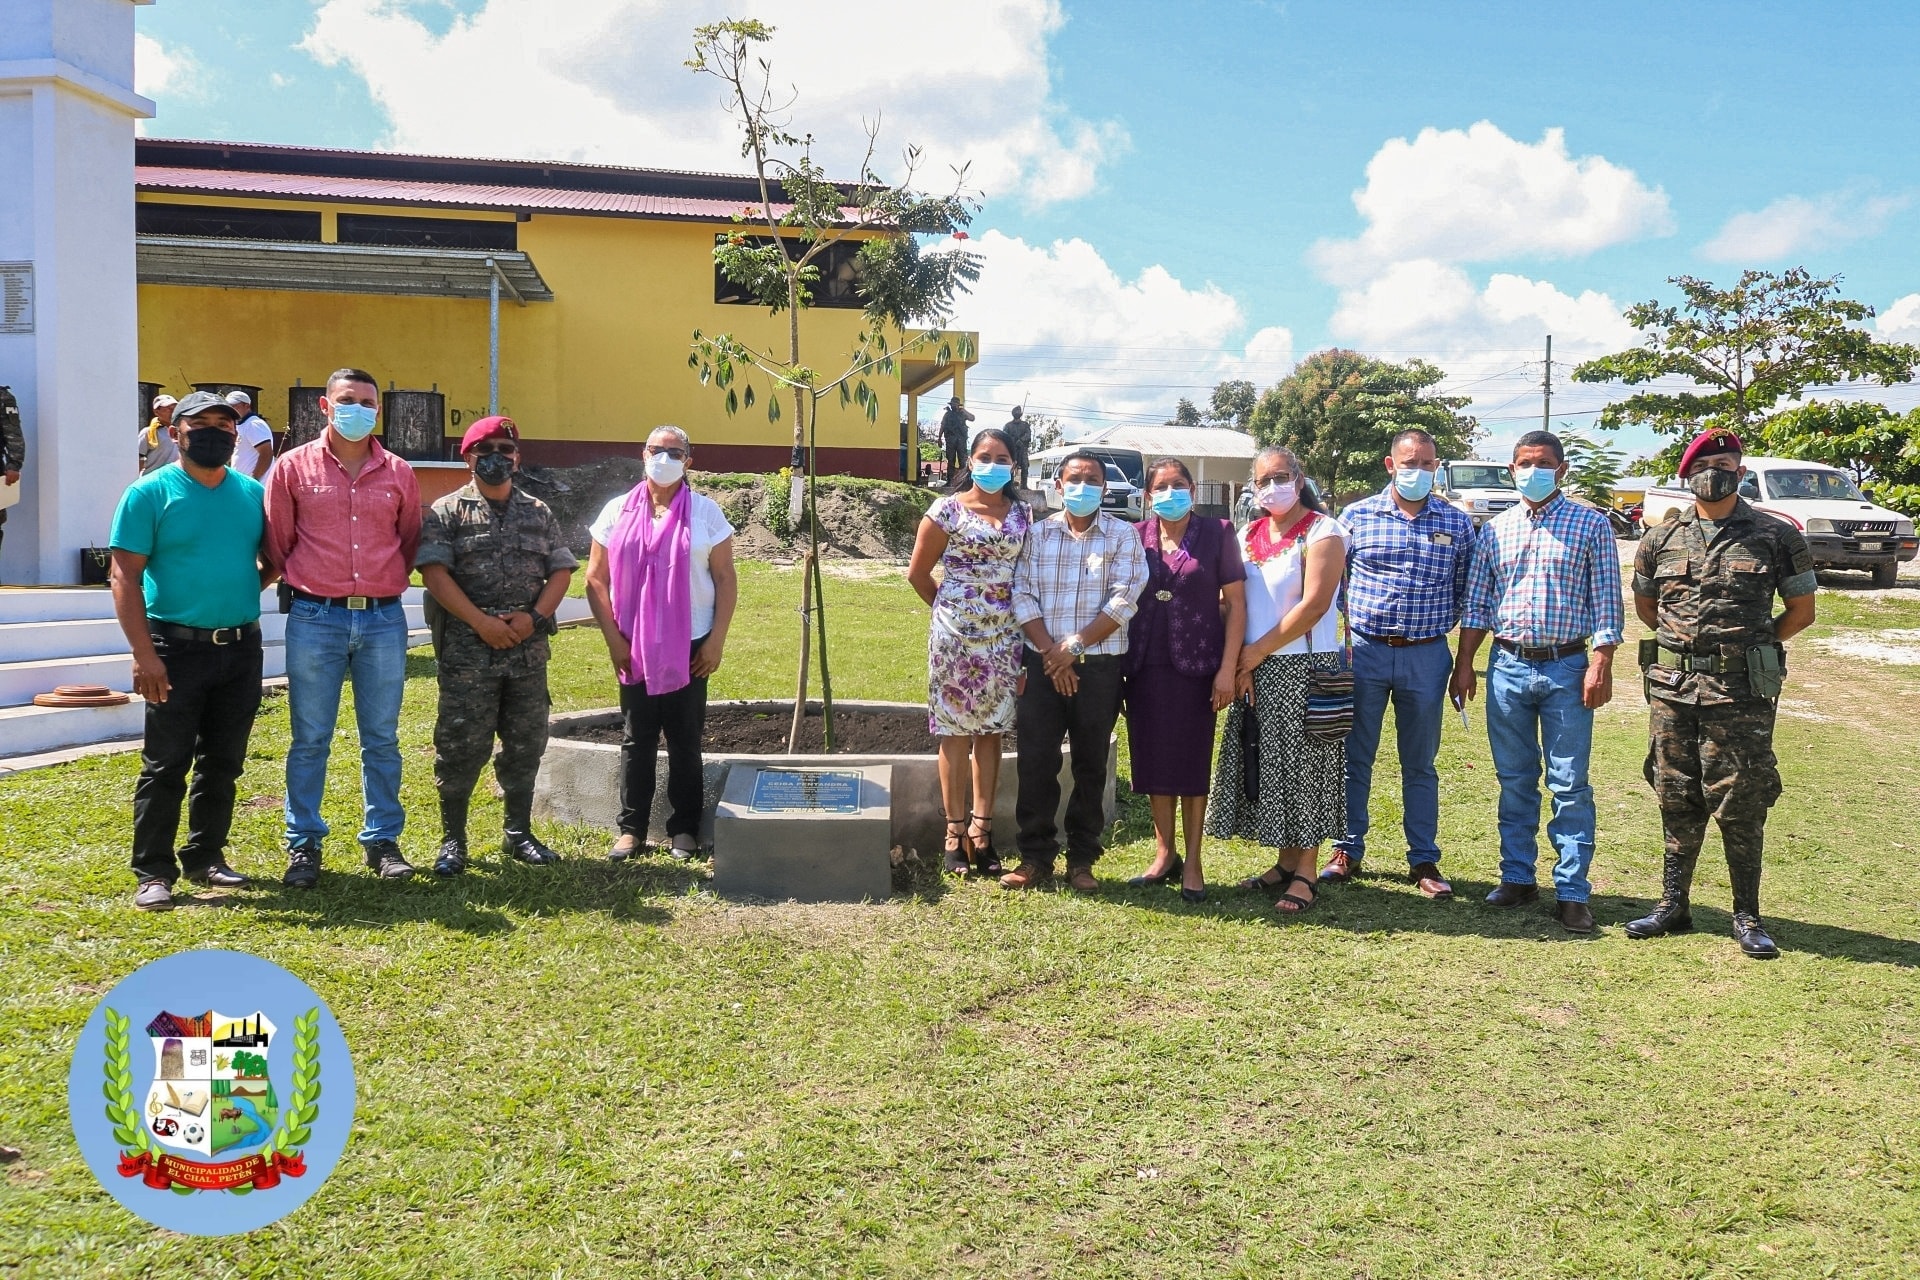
[(496, 566), (1705, 580)]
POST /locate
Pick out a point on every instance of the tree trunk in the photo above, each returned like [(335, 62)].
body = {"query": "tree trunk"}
[(819, 593), (806, 636)]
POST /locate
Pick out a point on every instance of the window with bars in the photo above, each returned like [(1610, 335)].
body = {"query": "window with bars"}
[(221, 222)]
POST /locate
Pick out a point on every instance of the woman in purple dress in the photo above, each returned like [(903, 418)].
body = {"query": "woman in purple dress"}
[(1183, 651), (973, 647)]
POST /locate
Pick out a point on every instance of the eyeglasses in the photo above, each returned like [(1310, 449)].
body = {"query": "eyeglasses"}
[(677, 454), (485, 447)]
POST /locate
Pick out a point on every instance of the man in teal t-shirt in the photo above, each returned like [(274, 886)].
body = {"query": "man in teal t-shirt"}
[(186, 589)]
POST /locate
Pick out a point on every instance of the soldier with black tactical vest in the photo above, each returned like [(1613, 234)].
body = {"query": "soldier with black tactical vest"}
[(1705, 580), (497, 567), (13, 447)]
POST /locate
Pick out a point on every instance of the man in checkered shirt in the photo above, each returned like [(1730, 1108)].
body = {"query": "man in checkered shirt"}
[(1544, 582)]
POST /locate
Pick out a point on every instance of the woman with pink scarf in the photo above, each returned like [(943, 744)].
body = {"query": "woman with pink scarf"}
[(661, 583)]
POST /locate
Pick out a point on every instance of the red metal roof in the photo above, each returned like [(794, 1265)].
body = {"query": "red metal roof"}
[(458, 195)]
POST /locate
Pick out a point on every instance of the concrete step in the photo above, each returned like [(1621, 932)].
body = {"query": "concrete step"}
[(54, 604), (28, 730)]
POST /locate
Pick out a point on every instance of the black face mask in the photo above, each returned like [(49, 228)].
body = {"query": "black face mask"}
[(1711, 484), (208, 447), (493, 468)]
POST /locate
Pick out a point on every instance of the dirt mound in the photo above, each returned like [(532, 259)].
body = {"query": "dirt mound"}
[(859, 519)]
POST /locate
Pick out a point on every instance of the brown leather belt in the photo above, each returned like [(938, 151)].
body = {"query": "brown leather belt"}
[(1398, 642), (1543, 652)]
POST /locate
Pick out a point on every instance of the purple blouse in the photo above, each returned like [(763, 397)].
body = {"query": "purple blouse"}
[(1179, 623)]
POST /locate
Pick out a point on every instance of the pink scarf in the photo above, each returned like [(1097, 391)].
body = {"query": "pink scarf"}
[(650, 565)]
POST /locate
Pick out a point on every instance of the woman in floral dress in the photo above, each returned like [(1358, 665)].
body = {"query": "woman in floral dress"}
[(973, 646)]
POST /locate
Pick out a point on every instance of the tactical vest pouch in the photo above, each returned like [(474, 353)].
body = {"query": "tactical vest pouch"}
[(1649, 652), (1766, 670)]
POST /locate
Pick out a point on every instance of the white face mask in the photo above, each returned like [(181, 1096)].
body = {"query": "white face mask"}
[(665, 470), (1277, 496)]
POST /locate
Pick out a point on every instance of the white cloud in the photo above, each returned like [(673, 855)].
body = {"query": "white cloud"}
[(1795, 224), (162, 74), (1063, 331), (1899, 321), (1477, 195), (602, 81)]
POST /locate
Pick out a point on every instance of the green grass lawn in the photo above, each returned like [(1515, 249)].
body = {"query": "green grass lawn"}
[(593, 1070)]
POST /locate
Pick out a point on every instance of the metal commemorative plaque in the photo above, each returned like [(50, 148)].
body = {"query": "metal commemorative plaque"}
[(806, 791)]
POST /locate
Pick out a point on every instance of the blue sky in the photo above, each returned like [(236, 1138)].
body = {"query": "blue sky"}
[(1171, 190)]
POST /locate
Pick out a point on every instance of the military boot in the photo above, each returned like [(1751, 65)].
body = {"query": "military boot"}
[(452, 859), (1747, 930), (519, 840), (1673, 914)]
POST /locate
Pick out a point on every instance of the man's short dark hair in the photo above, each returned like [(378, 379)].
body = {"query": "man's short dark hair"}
[(352, 375), (1414, 433), (1082, 455), (1541, 440)]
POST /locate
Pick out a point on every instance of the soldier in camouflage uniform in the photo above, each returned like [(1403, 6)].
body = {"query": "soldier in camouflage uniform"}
[(13, 447), (1705, 581), (497, 567)]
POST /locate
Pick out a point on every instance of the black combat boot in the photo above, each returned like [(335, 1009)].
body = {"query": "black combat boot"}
[(1674, 914), (519, 841), (452, 859), (1747, 930)]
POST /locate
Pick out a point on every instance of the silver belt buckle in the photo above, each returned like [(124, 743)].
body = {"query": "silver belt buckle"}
[(356, 602), (224, 635)]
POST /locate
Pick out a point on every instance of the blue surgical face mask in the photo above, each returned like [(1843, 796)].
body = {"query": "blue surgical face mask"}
[(1172, 504), (1536, 484), (353, 421), (1412, 483), (1080, 498), (991, 476)]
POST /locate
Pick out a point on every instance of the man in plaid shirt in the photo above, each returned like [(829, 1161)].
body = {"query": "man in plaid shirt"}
[(1544, 582), (1406, 579), (1076, 586)]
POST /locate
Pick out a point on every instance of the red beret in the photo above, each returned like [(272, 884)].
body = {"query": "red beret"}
[(1708, 443), (486, 429)]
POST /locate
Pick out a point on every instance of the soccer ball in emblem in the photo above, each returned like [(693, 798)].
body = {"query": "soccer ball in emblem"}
[(193, 1132)]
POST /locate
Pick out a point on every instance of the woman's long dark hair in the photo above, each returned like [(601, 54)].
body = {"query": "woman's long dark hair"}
[(988, 433)]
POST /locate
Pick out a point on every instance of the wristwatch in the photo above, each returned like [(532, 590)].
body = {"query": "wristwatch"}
[(1075, 645)]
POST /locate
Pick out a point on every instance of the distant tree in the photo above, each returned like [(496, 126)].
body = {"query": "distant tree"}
[(1880, 449), (1185, 414), (1233, 404), (1339, 411), (1593, 469), (1047, 431), (1768, 338)]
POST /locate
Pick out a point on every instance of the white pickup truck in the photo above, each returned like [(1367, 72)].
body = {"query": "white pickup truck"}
[(1844, 529), (1481, 489)]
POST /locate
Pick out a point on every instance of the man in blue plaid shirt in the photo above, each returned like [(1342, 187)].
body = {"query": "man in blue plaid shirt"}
[(1406, 579), (1544, 582)]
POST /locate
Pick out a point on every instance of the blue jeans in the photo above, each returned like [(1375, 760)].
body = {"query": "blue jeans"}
[(1534, 712), (326, 646), (1414, 678)]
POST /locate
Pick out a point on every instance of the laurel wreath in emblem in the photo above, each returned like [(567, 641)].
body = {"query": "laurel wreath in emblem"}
[(296, 1118)]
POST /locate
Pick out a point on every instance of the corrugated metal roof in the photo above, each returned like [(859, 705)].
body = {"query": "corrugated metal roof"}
[(452, 195), (335, 268), (1180, 442)]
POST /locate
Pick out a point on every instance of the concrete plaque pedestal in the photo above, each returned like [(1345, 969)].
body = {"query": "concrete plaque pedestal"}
[(812, 833)]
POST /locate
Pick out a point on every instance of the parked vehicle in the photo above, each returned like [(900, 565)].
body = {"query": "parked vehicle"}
[(1126, 474), (1481, 489), (1843, 528)]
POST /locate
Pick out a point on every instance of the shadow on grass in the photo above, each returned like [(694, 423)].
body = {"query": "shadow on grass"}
[(483, 901)]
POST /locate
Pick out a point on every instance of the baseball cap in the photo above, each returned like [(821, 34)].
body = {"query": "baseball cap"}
[(487, 429), (239, 398), (163, 400), (200, 402)]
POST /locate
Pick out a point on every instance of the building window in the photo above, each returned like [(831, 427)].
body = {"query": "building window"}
[(838, 286), (228, 224), (427, 233)]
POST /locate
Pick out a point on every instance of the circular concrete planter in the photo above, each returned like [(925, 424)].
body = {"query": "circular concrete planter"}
[(580, 781)]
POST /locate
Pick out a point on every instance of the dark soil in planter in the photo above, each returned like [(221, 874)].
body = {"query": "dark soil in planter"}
[(763, 732)]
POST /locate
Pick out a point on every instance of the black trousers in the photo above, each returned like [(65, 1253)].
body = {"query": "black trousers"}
[(956, 459), (205, 722), (1041, 719), (682, 717)]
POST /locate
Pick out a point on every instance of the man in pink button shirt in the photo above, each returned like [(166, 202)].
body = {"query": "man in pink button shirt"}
[(343, 524)]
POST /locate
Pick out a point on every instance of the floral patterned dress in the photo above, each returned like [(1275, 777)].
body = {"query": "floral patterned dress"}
[(973, 646)]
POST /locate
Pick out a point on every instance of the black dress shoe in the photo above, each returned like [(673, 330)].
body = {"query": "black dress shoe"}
[(1513, 895), (218, 876), (1574, 917), (453, 858), (1753, 939), (524, 846), (1168, 876), (1668, 917)]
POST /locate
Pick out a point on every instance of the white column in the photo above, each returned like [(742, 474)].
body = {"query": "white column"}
[(67, 112)]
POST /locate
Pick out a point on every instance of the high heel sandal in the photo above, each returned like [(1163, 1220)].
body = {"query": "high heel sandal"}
[(954, 851), (986, 862)]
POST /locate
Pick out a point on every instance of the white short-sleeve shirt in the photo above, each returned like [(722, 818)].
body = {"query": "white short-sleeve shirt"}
[(709, 528), (1275, 587), (253, 432)]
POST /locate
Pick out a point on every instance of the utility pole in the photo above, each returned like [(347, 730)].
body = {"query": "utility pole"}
[(1546, 390)]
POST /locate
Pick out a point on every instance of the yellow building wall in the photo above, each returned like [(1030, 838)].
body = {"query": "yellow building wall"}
[(605, 361)]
